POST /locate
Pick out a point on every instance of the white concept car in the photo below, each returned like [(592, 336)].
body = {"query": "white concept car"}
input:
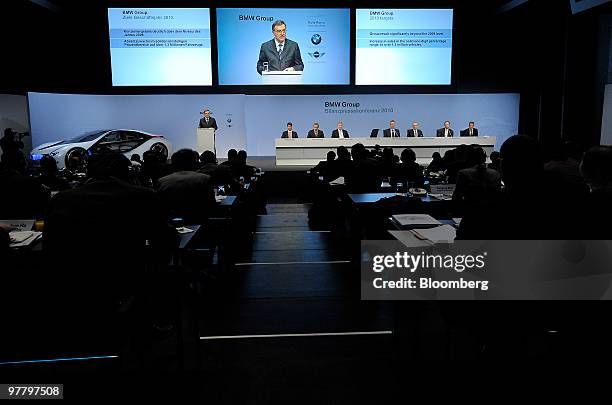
[(72, 154)]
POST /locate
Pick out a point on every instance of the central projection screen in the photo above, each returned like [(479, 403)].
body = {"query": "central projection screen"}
[(318, 46), (403, 46), (160, 46)]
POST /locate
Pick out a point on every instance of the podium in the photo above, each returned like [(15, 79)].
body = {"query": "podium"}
[(205, 140), (281, 77)]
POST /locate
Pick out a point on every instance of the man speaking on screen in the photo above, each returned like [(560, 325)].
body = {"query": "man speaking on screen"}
[(279, 53)]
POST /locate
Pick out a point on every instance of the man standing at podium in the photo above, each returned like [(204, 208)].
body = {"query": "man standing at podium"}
[(208, 121), (280, 53)]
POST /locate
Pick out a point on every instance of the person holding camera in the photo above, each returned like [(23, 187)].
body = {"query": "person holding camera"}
[(9, 143)]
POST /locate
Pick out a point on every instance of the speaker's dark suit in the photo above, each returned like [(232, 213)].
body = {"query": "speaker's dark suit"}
[(440, 133), (344, 132), (289, 57), (210, 124), (387, 133), (286, 134), (466, 132), (411, 133), (320, 134)]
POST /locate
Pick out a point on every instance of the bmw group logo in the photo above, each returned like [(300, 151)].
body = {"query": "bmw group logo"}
[(315, 39)]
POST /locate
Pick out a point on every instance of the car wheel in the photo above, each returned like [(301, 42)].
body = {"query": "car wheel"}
[(76, 160), (160, 148)]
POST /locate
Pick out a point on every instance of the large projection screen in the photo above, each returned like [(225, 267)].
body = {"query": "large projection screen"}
[(403, 46), (318, 46)]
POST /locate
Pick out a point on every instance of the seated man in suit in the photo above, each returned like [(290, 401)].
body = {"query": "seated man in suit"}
[(112, 229), (364, 174), (470, 130), (477, 183), (515, 215), (241, 168), (5, 241), (208, 121), (409, 170), (326, 168), (289, 133), (220, 174), (186, 193), (415, 132), (232, 155), (391, 132), (280, 53), (315, 132), (596, 168), (49, 175), (446, 131), (24, 196), (340, 132)]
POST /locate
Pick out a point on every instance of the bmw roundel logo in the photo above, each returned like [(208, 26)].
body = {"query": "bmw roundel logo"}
[(315, 39)]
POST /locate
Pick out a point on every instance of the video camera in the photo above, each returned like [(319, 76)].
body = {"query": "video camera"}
[(16, 135)]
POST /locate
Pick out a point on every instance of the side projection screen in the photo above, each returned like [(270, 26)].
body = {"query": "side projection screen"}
[(404, 46), (160, 46)]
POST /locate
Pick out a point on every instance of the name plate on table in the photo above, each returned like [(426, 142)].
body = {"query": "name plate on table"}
[(442, 189), (18, 224)]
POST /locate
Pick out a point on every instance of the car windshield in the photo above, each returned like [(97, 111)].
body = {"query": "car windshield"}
[(86, 136)]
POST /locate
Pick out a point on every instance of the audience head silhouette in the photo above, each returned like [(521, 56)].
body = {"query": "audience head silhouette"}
[(48, 166), (110, 164), (359, 152), (185, 160), (151, 156), (408, 156), (208, 157), (596, 167), (387, 155), (476, 156), (232, 154), (521, 161), (242, 157), (343, 153)]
